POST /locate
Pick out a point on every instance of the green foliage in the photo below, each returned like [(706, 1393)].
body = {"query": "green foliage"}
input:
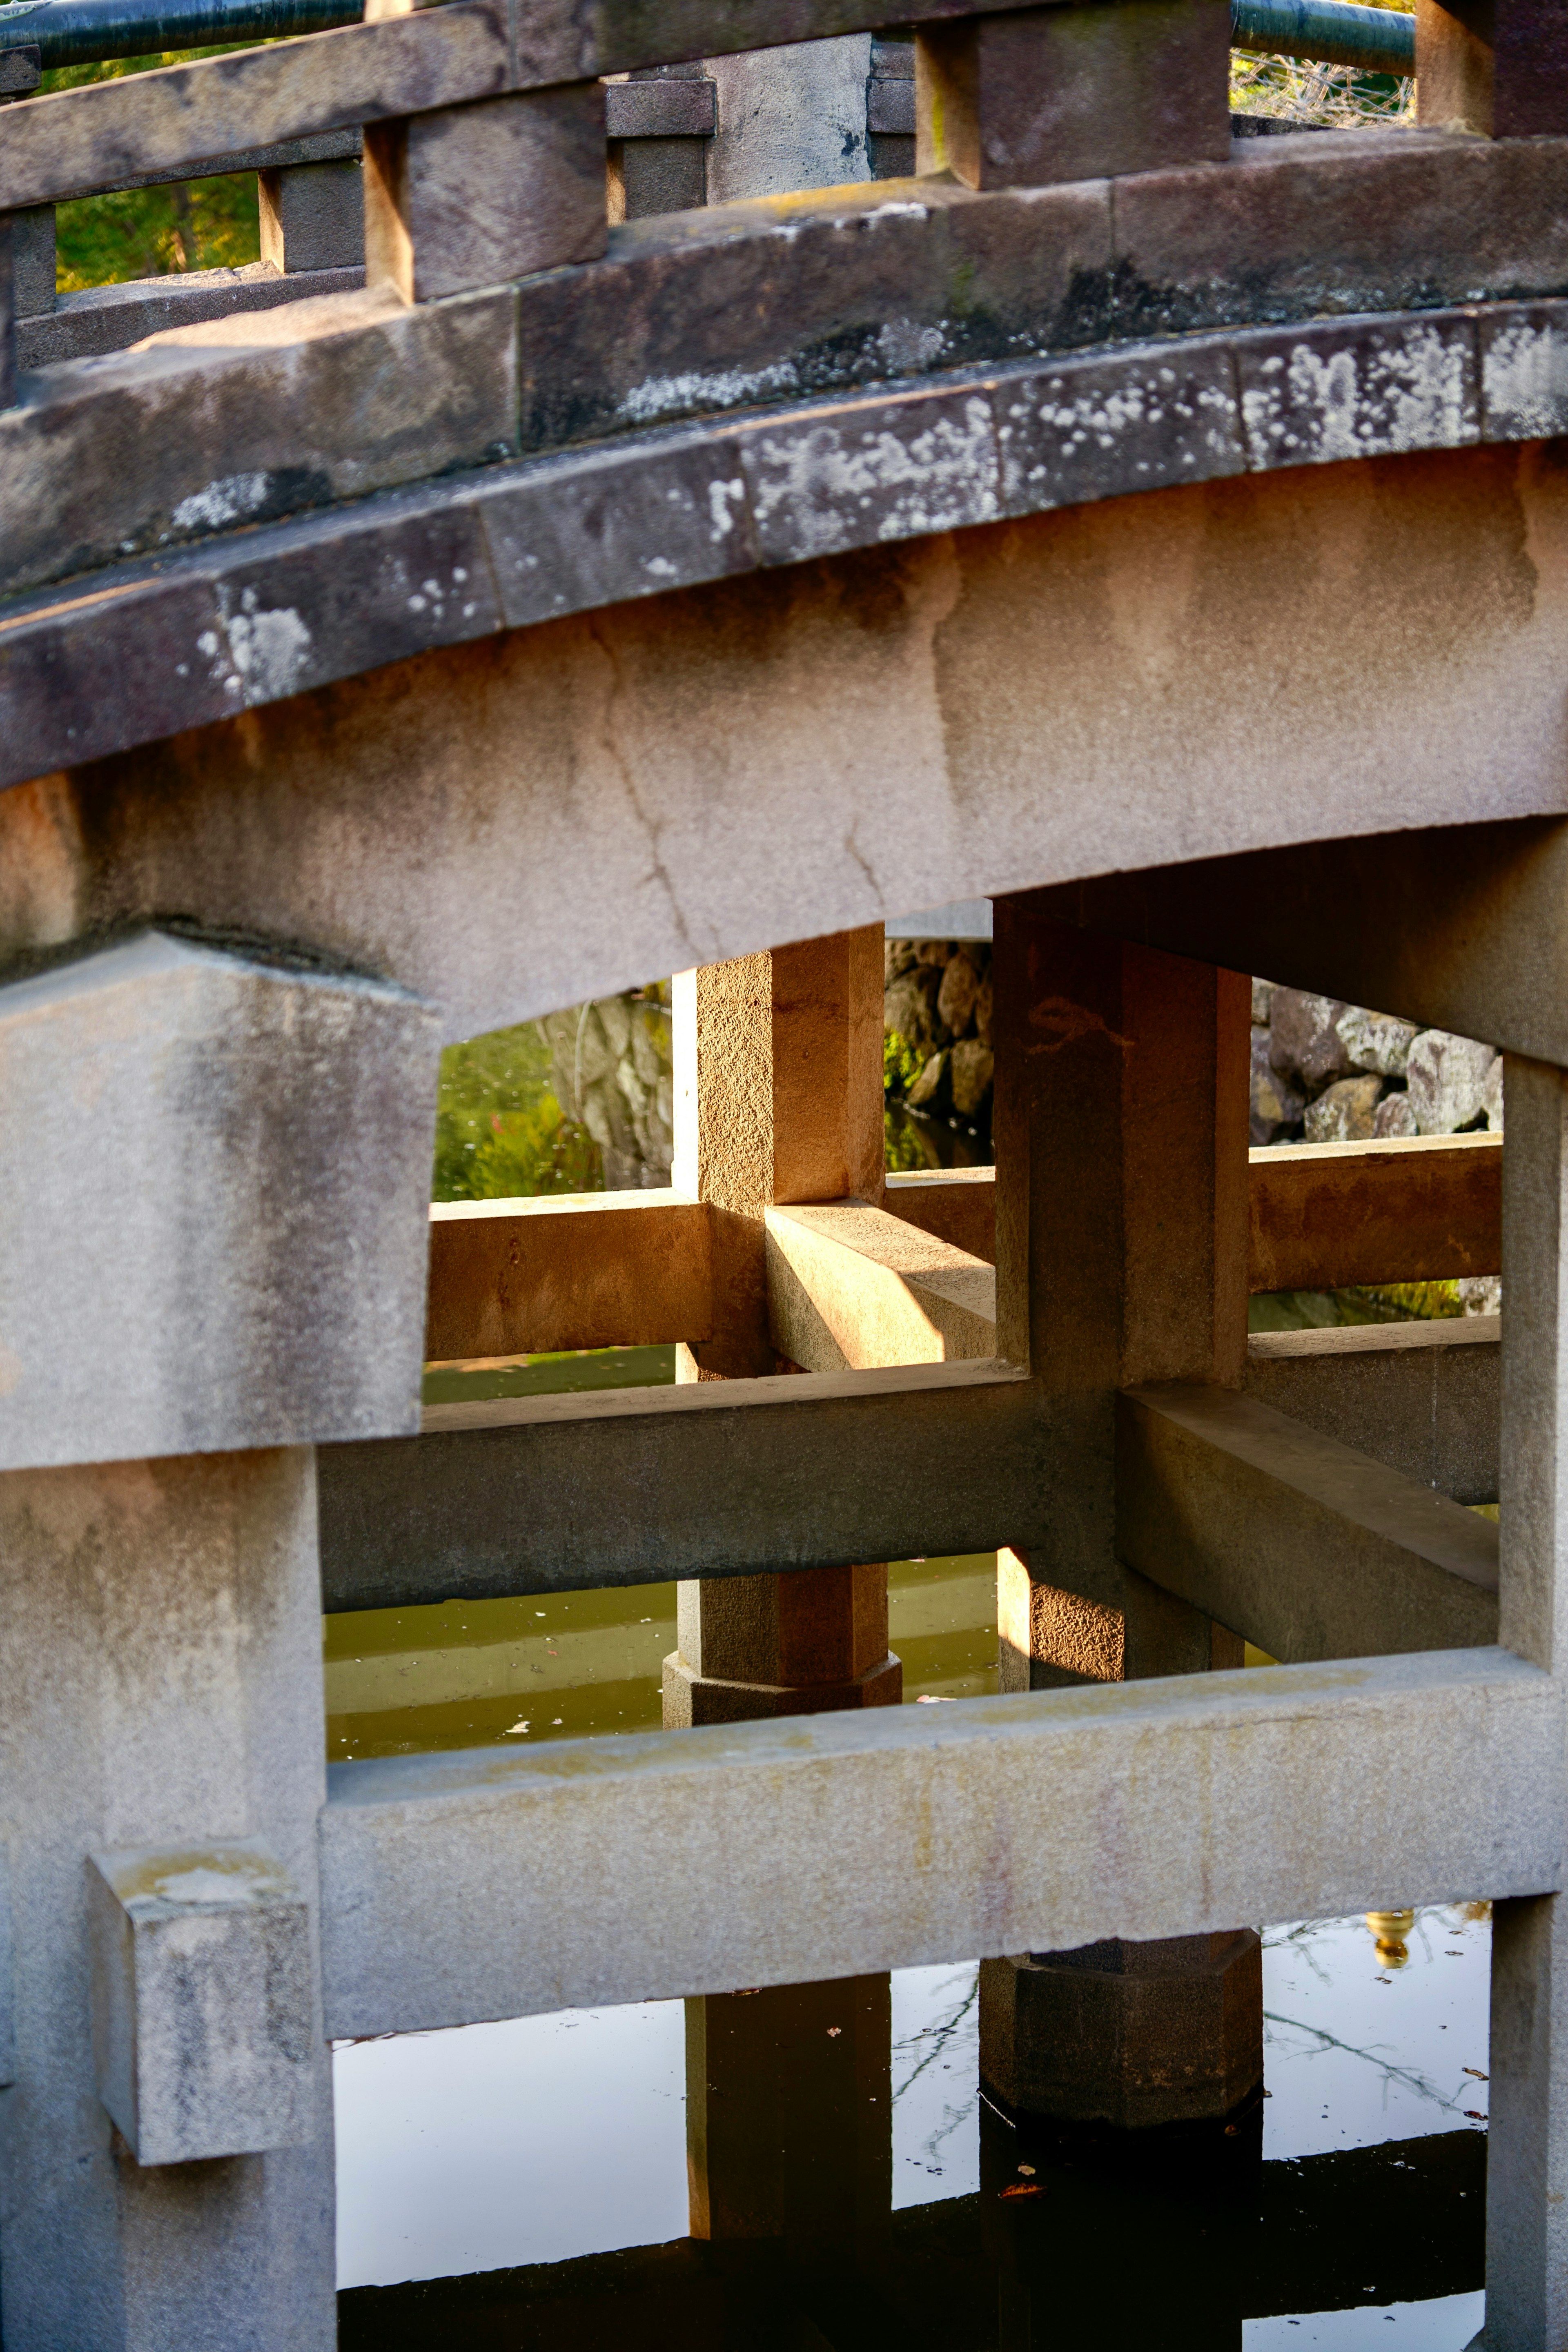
[(499, 1131), (902, 1065), (1423, 1302), (152, 231)]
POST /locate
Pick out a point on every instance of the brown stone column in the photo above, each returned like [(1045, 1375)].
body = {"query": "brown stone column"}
[(778, 1098), (1121, 1225)]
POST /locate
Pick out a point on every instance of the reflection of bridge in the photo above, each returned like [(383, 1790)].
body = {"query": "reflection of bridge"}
[(570, 605)]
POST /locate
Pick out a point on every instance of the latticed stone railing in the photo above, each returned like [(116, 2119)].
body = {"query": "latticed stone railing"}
[(575, 604)]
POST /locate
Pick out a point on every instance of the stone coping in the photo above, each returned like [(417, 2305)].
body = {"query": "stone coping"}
[(144, 650)]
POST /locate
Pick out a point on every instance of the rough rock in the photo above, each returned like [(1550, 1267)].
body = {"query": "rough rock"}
[(1481, 1294), (929, 1091), (1275, 1106), (909, 1008), (983, 1007), (1448, 1080), (1345, 1112), (1305, 1042), (1376, 1041), (955, 999), (1491, 1096), (1262, 1002), (1394, 1118), (972, 1070)]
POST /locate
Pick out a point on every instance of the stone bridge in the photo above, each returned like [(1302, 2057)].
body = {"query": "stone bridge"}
[(1162, 535)]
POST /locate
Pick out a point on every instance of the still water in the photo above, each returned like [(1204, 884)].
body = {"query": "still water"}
[(816, 2166)]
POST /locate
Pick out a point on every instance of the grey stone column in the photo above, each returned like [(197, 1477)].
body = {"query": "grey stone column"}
[(789, 118), (213, 1181), (1527, 2158)]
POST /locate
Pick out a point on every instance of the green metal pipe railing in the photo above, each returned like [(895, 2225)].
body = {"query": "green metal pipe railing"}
[(85, 32)]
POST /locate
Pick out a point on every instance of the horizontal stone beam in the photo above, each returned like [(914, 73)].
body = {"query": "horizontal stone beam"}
[(1425, 1399), (585, 1270), (716, 1479), (850, 1288), (1455, 927), (956, 1204), (1303, 1545), (495, 1884), (1418, 1208)]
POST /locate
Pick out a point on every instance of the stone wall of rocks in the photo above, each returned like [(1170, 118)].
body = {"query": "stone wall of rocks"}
[(610, 1062), (937, 998), (1325, 1072)]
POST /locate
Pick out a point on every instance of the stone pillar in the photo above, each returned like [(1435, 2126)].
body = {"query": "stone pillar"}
[(1121, 1224), (214, 1181), (1527, 2157), (789, 118), (778, 1097), (1496, 66), (312, 216)]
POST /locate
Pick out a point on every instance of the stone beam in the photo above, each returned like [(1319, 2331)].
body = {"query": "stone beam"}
[(1418, 1208), (1299, 1543), (585, 1270), (714, 1477), (455, 1886), (955, 1204), (850, 1288), (1424, 1398), (1454, 927)]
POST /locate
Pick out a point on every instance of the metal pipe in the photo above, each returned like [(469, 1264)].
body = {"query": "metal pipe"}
[(1329, 32), (83, 32)]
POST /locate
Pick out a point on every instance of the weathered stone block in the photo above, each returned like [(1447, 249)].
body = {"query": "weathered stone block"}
[(1393, 1118), (202, 2001), (1089, 426), (1524, 373), (789, 118), (476, 194), (7, 310), (632, 522), (1497, 67), (228, 1246), (1037, 95), (33, 260), (96, 320), (1314, 394), (691, 1698), (1132, 2034), (872, 469), (648, 176), (245, 419), (312, 216)]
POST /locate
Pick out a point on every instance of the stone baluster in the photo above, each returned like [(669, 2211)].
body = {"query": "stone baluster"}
[(1121, 1227), (778, 1097), (214, 1175), (1033, 96), (478, 195), (312, 216), (1496, 66)]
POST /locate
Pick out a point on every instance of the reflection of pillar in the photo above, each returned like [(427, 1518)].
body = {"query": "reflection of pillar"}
[(778, 1097), (789, 2115), (1122, 1232)]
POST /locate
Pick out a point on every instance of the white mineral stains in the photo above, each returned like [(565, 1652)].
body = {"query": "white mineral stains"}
[(843, 485), (223, 502), (675, 395), (721, 496), (1524, 382), (269, 649), (1370, 398), (906, 349)]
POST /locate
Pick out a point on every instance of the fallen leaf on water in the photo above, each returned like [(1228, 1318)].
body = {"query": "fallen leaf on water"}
[(1023, 2188), (1474, 2116), (833, 2032), (512, 1727), (1027, 2171), (930, 1698), (1477, 2073)]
